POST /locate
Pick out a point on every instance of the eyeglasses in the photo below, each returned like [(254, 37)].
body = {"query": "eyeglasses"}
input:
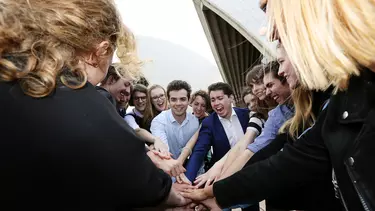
[(155, 98), (143, 98)]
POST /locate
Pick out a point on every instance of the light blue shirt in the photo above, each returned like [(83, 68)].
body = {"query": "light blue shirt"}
[(175, 135), (276, 118)]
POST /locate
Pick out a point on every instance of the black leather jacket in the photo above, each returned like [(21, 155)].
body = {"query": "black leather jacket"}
[(343, 139), (349, 135)]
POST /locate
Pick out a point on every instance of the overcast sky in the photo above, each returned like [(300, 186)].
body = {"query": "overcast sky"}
[(171, 40)]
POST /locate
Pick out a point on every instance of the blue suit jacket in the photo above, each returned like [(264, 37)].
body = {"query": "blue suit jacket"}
[(212, 133)]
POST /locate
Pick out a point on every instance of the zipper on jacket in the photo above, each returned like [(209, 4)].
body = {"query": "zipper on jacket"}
[(354, 182), (338, 193)]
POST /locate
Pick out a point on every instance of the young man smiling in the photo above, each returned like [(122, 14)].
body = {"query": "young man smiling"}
[(175, 126)]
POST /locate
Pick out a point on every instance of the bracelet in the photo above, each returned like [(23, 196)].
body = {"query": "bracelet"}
[(190, 152)]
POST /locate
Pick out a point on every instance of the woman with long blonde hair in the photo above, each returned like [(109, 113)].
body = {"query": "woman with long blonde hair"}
[(329, 43), (63, 145)]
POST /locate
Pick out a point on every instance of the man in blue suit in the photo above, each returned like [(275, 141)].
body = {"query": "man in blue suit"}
[(221, 130)]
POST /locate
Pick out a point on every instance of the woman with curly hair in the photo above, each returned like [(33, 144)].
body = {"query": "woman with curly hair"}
[(63, 145)]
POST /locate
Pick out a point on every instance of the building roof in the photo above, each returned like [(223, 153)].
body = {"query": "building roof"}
[(233, 31)]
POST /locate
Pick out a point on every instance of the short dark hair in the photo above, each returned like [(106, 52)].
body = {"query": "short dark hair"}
[(177, 85), (273, 67), (137, 88), (205, 97), (225, 87)]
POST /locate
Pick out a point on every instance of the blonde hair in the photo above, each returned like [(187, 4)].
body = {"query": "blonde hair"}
[(327, 41), (41, 40), (129, 65), (303, 117), (117, 71)]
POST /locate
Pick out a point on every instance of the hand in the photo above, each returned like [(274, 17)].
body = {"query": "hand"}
[(210, 176), (182, 201), (188, 207), (151, 147), (183, 179), (182, 187), (161, 146), (162, 155), (171, 167), (200, 194), (195, 195), (211, 204), (199, 207)]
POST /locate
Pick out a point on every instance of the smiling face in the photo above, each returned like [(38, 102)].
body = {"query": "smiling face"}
[(250, 101), (221, 103), (259, 90), (286, 68), (140, 101), (275, 89), (178, 101), (120, 89), (199, 106), (158, 99)]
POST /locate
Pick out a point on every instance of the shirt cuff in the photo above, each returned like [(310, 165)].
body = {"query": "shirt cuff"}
[(252, 147)]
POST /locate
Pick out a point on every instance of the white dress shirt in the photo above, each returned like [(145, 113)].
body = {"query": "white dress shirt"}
[(232, 128)]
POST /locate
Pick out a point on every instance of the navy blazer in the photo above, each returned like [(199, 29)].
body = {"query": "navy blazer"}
[(212, 133)]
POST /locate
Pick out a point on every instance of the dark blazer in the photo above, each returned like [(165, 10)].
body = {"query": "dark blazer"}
[(212, 133), (72, 151), (342, 140)]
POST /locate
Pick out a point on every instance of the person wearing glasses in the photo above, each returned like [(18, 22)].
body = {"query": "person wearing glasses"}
[(156, 103), (158, 99), (117, 86), (135, 118)]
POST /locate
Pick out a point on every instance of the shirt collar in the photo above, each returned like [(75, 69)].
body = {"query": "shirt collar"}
[(136, 112), (231, 116), (172, 119)]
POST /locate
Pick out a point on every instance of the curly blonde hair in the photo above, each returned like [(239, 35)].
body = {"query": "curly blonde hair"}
[(41, 41)]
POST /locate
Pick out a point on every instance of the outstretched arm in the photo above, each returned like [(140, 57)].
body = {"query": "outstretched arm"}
[(199, 151), (158, 130), (304, 162), (254, 128), (238, 149), (229, 160), (187, 150), (237, 165)]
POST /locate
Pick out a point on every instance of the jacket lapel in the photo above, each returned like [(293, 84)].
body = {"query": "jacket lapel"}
[(243, 116), (220, 132)]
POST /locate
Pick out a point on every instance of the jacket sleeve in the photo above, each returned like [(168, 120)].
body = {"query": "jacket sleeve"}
[(271, 149), (200, 150), (301, 163)]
